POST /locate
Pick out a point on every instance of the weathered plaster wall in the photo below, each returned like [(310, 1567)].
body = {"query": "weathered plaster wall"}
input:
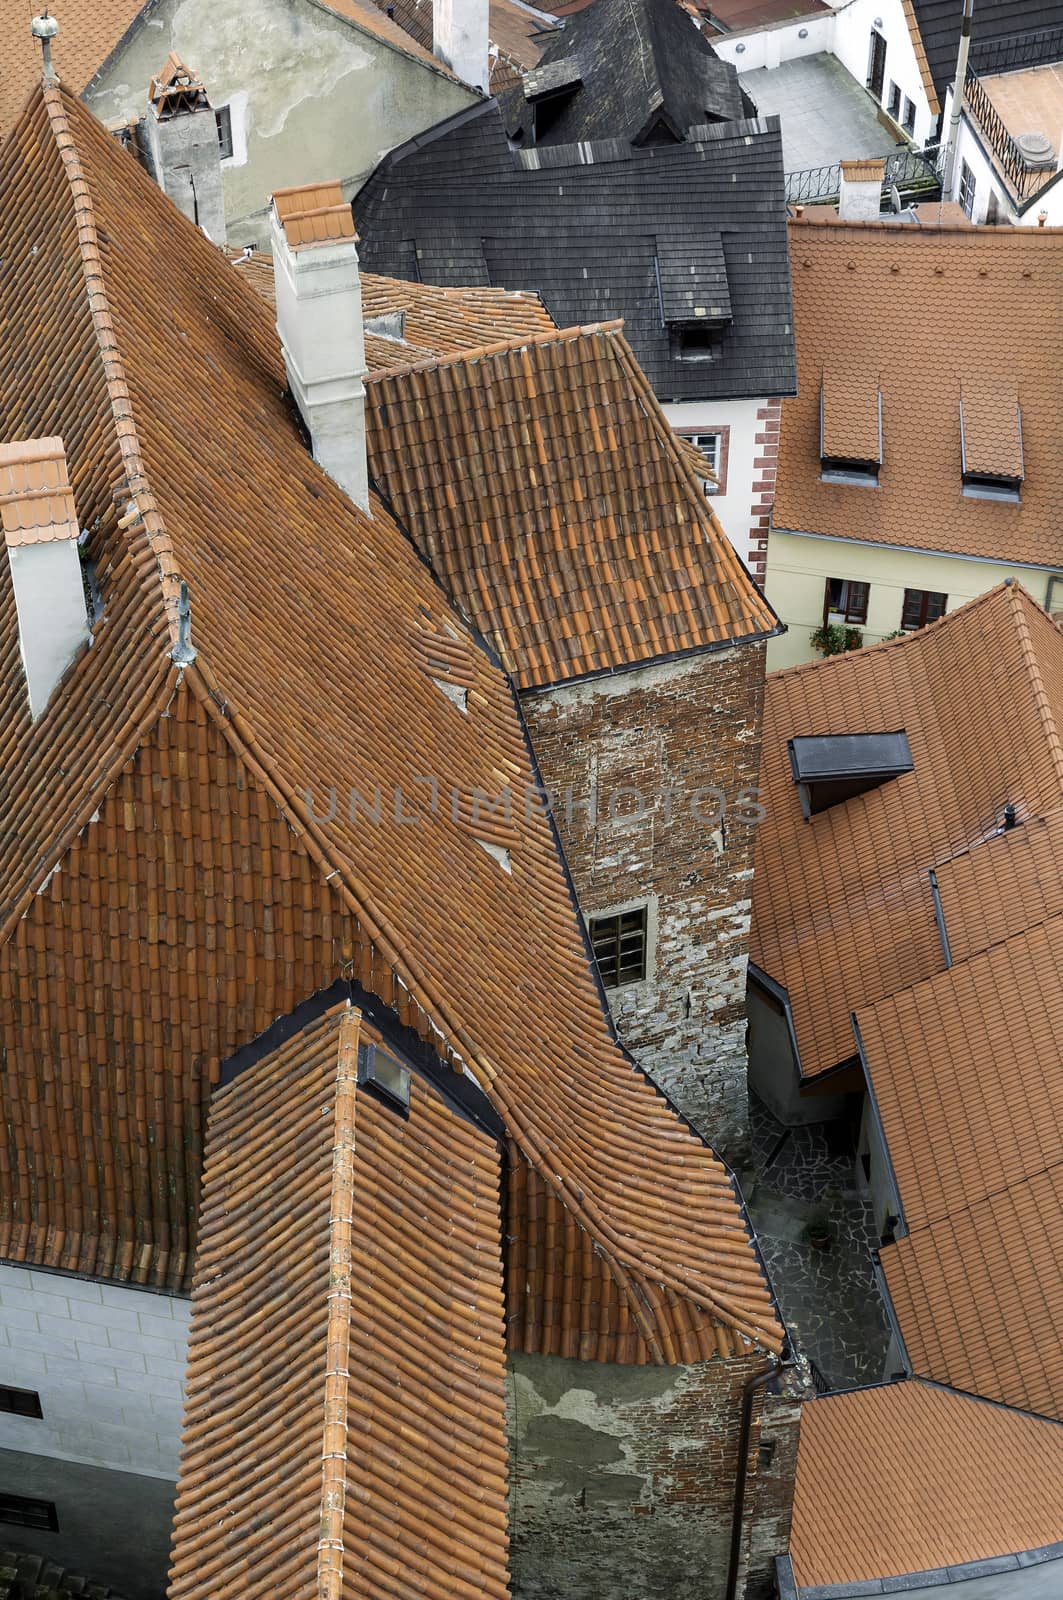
[(641, 765), (311, 95), (622, 1479)]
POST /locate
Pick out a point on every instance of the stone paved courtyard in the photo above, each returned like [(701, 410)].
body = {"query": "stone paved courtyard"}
[(828, 1297)]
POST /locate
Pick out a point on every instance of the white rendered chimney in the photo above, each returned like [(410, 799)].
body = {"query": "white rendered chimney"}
[(41, 533), (460, 38), (860, 199), (319, 319), (182, 131)]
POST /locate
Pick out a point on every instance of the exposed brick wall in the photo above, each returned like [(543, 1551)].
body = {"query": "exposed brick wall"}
[(622, 1479), (769, 1492), (765, 464), (676, 729)]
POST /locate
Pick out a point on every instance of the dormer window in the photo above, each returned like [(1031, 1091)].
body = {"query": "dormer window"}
[(695, 343), (850, 429), (830, 768), (990, 441), (385, 1077), (694, 294)]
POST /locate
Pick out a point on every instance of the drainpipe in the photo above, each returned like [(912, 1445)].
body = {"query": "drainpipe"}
[(957, 98), (752, 1385)]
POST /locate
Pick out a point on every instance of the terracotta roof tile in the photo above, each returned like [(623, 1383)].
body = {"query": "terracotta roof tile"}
[(1011, 884), (842, 907), (854, 286), (852, 414), (544, 484), (909, 1478), (991, 429), (314, 213), (89, 31), (36, 502), (193, 412), (345, 1419), (869, 169), (920, 55)]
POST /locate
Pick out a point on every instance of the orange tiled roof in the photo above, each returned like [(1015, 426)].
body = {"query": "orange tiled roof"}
[(909, 1477), (314, 213), (345, 1416), (868, 169), (36, 504), (854, 286), (1011, 884), (544, 484), (196, 432), (842, 907), (990, 428), (88, 32)]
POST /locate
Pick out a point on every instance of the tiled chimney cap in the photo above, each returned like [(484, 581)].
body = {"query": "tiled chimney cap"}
[(314, 213), (869, 169), (36, 502), (177, 88)]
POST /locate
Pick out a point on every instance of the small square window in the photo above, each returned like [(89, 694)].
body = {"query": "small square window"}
[(385, 1077), (909, 115), (695, 343), (922, 606), (224, 119), (619, 942), (894, 106), (845, 600), (20, 1402), (23, 1513)]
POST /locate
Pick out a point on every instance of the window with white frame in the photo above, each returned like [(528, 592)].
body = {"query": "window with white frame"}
[(709, 445), (967, 189)]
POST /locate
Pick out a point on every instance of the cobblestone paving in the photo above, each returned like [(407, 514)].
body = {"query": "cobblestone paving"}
[(828, 1297)]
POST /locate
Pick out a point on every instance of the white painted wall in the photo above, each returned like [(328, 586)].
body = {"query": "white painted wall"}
[(108, 1363), (735, 508), (845, 33), (972, 147)]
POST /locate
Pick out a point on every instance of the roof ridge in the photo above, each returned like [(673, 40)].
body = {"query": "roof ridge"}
[(1019, 601), (483, 352), (905, 230), (121, 404), (338, 1327)]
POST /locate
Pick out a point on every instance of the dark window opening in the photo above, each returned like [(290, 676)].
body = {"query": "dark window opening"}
[(694, 343), (876, 64), (843, 598), (967, 189), (23, 1513), (909, 115), (223, 118), (920, 607), (865, 1162), (20, 1402), (830, 768), (894, 107), (990, 486), (384, 1077), (845, 469), (765, 1454), (619, 944)]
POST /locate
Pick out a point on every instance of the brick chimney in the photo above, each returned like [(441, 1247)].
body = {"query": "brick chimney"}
[(460, 38), (41, 533), (182, 136), (860, 199), (319, 319)]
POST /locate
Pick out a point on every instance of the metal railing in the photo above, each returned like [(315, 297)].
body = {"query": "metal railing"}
[(914, 173), (1017, 50), (1023, 179)]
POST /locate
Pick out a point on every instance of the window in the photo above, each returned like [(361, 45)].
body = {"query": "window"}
[(909, 115), (619, 942), (695, 343), (967, 189), (20, 1402), (920, 607), (840, 469), (876, 64), (1054, 596), (384, 1077), (713, 447), (990, 486), (894, 107), (22, 1513), (845, 600), (224, 120)]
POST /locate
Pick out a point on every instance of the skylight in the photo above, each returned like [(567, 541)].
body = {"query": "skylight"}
[(831, 768)]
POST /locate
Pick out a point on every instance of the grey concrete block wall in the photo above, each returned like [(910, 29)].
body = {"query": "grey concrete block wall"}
[(108, 1364)]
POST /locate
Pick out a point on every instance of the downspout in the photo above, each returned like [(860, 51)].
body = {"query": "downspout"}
[(958, 89), (752, 1385)]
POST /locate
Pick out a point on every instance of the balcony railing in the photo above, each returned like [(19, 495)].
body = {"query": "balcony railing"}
[(1016, 51), (915, 174), (1024, 180)]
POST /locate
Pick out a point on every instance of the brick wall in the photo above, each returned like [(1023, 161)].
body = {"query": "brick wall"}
[(108, 1364), (622, 1479), (765, 463), (630, 760)]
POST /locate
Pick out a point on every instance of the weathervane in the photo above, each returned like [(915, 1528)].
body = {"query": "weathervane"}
[(45, 29)]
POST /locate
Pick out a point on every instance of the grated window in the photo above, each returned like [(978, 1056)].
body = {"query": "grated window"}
[(619, 943)]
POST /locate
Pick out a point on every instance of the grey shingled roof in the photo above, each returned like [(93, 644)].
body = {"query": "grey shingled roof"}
[(939, 25), (587, 228), (645, 72)]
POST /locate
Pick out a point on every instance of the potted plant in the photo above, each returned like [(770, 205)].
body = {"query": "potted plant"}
[(818, 1231), (828, 639)]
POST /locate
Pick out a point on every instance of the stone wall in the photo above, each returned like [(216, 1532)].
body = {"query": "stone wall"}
[(622, 1479), (653, 775)]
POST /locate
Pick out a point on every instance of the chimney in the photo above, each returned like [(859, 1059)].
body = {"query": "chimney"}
[(860, 199), (41, 533), (319, 319), (182, 133), (460, 38)]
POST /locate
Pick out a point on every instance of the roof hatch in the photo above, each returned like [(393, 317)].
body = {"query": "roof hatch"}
[(991, 441), (831, 767)]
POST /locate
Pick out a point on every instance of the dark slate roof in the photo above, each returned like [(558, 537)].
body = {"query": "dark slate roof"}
[(589, 227), (644, 70), (939, 25)]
